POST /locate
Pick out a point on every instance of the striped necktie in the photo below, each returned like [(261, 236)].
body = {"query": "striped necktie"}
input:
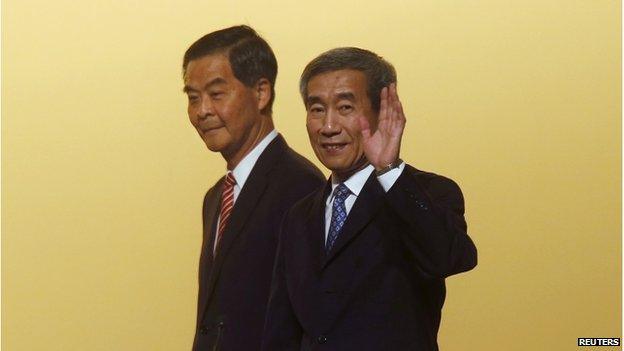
[(227, 203)]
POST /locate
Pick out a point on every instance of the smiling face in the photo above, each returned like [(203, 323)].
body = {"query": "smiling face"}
[(335, 101), (225, 112)]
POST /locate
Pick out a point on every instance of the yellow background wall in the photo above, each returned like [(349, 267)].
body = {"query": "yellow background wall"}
[(103, 176)]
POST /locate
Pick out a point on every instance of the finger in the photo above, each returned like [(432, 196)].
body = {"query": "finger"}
[(392, 111), (401, 116), (400, 112), (391, 103), (392, 93), (395, 96), (383, 105), (398, 107)]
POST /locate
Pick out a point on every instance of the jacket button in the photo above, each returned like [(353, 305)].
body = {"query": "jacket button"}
[(203, 330), (321, 339)]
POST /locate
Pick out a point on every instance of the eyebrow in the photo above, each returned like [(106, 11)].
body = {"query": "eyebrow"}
[(313, 100), (345, 96), (216, 81)]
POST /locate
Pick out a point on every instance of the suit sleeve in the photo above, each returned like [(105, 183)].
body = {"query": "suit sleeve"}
[(431, 211), (282, 330)]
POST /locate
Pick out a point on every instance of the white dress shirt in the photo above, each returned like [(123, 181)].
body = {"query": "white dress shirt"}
[(355, 183)]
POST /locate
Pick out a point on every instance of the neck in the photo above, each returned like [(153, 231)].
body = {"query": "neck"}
[(251, 141)]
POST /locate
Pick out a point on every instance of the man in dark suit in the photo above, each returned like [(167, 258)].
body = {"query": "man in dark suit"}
[(361, 263), (229, 77)]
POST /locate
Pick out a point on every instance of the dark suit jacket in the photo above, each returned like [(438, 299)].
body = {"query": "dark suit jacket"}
[(381, 287), (234, 286)]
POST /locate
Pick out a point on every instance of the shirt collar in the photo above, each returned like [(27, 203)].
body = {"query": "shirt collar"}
[(244, 167), (356, 182)]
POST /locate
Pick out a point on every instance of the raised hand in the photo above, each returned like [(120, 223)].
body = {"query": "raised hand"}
[(382, 145)]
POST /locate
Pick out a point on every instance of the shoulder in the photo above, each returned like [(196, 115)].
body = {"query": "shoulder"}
[(295, 173), (213, 191), (291, 161), (302, 208), (430, 181), (278, 157), (429, 186), (305, 204), (289, 176)]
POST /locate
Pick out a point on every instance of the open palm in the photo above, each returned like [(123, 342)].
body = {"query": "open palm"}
[(383, 145)]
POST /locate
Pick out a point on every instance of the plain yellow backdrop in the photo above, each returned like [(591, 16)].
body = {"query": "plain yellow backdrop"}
[(103, 176)]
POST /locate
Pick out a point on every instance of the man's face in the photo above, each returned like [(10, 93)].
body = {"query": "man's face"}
[(222, 109), (334, 103)]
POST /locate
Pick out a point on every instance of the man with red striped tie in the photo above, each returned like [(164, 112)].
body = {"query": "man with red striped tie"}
[(229, 78)]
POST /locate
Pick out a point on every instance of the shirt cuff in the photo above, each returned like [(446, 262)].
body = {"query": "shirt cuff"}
[(388, 179)]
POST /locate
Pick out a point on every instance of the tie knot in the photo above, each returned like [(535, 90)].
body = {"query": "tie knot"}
[(341, 192), (229, 179)]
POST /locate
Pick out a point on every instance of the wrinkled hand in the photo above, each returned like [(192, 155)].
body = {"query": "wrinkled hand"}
[(382, 146)]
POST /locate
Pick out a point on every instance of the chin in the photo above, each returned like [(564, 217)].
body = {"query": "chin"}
[(337, 168), (216, 144), (215, 147), (341, 168), (329, 164)]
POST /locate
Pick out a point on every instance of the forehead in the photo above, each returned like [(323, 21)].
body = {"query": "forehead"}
[(328, 84), (207, 68)]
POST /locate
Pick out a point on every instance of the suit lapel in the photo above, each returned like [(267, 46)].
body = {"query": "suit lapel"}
[(211, 213), (364, 208), (315, 227), (243, 207)]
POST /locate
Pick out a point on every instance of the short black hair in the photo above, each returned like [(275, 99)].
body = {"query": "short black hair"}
[(250, 56), (379, 73)]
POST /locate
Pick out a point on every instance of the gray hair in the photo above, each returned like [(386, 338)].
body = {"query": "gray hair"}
[(379, 73)]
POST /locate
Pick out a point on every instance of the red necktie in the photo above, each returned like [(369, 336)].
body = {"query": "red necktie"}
[(227, 203)]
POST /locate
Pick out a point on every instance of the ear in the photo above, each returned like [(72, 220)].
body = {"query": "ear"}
[(263, 93)]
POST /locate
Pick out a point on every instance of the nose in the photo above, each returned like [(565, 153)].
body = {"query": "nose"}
[(206, 109), (331, 125)]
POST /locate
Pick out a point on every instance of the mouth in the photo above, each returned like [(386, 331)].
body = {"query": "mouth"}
[(206, 130), (333, 147)]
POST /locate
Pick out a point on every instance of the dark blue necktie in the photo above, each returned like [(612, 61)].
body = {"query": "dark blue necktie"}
[(339, 215)]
